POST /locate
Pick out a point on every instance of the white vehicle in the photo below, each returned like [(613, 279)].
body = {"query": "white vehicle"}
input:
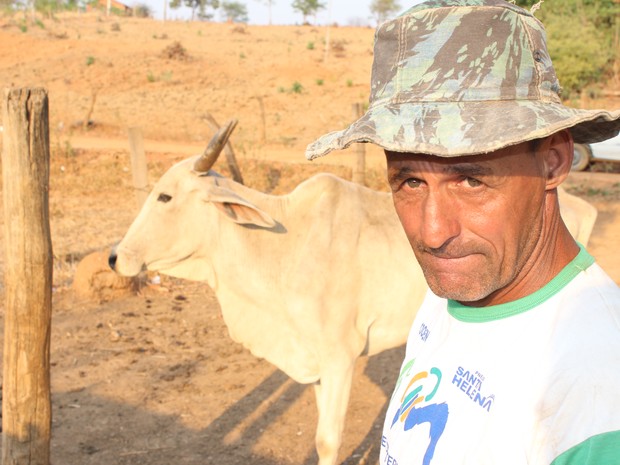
[(608, 150)]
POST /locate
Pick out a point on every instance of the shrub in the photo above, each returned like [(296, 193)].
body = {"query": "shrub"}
[(175, 51), (578, 50)]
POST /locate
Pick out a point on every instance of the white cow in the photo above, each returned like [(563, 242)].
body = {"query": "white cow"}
[(309, 281), (578, 215)]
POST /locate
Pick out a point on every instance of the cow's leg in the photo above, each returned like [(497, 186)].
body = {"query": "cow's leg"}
[(332, 398)]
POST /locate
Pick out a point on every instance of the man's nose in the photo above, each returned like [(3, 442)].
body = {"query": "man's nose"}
[(440, 222)]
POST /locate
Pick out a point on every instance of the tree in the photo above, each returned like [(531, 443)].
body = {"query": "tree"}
[(235, 12), (199, 7), (580, 36), (142, 10), (383, 9), (307, 7), (579, 51)]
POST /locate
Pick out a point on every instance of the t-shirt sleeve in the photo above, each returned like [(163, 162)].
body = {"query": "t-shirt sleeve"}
[(582, 421)]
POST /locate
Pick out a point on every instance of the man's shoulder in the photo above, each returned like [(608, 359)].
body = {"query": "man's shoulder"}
[(594, 286), (586, 327)]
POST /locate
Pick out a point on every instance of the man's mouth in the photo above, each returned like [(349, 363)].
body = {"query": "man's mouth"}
[(451, 261)]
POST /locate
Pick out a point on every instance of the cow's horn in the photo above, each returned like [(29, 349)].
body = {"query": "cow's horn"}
[(217, 143)]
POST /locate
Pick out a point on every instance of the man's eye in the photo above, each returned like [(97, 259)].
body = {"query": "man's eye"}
[(413, 183), (472, 182), (165, 198)]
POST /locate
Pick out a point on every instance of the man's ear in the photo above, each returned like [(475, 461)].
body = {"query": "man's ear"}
[(558, 157)]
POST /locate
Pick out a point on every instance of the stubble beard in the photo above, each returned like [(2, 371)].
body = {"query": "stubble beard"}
[(466, 287)]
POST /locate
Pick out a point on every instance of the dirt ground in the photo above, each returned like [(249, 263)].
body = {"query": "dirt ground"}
[(152, 377)]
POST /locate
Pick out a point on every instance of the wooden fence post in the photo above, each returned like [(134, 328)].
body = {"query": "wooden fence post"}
[(359, 173), (26, 401), (139, 171)]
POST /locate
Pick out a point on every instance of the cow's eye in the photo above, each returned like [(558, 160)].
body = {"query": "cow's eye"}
[(164, 198)]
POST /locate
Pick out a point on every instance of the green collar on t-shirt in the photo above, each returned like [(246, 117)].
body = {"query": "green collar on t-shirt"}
[(496, 312)]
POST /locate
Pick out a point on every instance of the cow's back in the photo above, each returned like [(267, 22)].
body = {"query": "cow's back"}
[(361, 261), (336, 272)]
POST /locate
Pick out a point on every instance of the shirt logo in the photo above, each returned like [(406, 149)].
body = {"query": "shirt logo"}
[(416, 409), (470, 383)]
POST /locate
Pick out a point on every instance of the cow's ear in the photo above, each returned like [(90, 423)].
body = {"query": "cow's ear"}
[(239, 210)]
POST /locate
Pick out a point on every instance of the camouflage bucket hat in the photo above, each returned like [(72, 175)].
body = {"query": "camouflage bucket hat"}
[(463, 77)]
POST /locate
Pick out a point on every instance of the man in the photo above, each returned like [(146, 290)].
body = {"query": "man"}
[(514, 357)]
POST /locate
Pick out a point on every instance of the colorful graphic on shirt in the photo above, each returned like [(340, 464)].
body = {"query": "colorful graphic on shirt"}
[(415, 408)]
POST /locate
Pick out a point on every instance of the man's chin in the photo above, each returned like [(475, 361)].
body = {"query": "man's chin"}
[(463, 290)]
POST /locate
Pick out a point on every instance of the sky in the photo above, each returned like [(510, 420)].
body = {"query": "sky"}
[(342, 12)]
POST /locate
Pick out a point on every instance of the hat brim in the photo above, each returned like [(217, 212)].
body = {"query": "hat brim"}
[(449, 129)]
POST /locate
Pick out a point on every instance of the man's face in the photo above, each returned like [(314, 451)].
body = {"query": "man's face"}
[(473, 222)]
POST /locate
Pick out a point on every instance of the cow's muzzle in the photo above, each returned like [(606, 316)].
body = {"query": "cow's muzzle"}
[(112, 258)]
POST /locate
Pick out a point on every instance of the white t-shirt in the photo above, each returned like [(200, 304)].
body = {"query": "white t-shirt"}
[(535, 381)]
